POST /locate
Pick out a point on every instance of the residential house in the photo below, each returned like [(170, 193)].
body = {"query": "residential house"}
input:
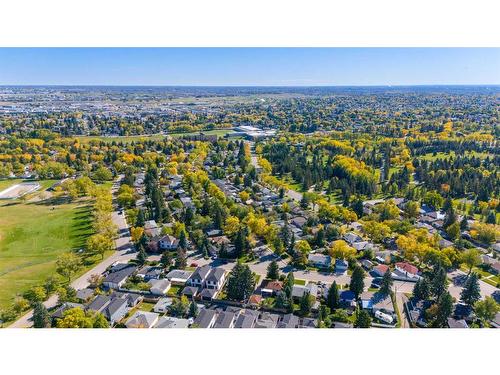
[(159, 287), (405, 271), (116, 310), (267, 320), (85, 295), (99, 303), (215, 278), (347, 299), (162, 305), (205, 319), (288, 321), (168, 242), (308, 323), (351, 238), (115, 280), (380, 270), (319, 260), (270, 287), (454, 323), (225, 319), (198, 277), (179, 277), (171, 322), (246, 319), (298, 291), (341, 266), (142, 319)]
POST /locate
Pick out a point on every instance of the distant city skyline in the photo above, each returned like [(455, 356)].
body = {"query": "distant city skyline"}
[(249, 66)]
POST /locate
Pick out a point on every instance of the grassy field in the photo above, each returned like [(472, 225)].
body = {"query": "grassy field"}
[(4, 184), (32, 235), (134, 138)]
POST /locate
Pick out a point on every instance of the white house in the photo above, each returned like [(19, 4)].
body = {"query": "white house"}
[(168, 242), (159, 287)]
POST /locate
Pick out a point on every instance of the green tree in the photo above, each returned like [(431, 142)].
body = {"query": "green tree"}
[(193, 309), (363, 319), (333, 297), (444, 309), (470, 258), (471, 292), (386, 284), (166, 259), (486, 309), (100, 321), (67, 265), (273, 271), (180, 259), (241, 282), (439, 282), (306, 302), (289, 283), (75, 318), (99, 244), (453, 230), (421, 290), (357, 281), (41, 317)]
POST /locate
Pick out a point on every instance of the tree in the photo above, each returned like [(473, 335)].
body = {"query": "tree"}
[(357, 284), (341, 250), (453, 230), (182, 240), (35, 294), (386, 284), (136, 233), (471, 258), (281, 300), (193, 310), (363, 319), (471, 292), (306, 302), (439, 282), (289, 283), (444, 309), (486, 309), (421, 290), (41, 317), (141, 256), (67, 264), (376, 231), (180, 259), (273, 271), (166, 259), (100, 321), (99, 244), (75, 318), (179, 307), (412, 210), (241, 282), (333, 297), (302, 249), (231, 226)]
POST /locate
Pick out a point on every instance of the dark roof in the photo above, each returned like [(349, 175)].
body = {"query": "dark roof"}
[(289, 321), (215, 275), (347, 295), (246, 319), (453, 323), (204, 318), (190, 290), (114, 306), (59, 312), (308, 323), (224, 319), (201, 273), (119, 276), (99, 303), (207, 292)]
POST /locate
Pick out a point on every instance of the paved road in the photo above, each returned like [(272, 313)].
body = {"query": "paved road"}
[(458, 277), (122, 254)]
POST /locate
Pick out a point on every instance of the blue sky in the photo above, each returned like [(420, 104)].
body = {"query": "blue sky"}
[(249, 66)]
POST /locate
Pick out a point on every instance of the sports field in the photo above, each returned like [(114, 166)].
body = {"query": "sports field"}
[(32, 235)]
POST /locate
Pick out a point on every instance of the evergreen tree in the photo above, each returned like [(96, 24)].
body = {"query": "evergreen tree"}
[(333, 297), (193, 309), (357, 207), (166, 259), (421, 289), (471, 292), (273, 271), (464, 225), (140, 220), (141, 256), (357, 281), (386, 284), (241, 282), (182, 240), (439, 282), (306, 304), (289, 283), (363, 319), (100, 321), (491, 218), (444, 309), (180, 259), (41, 317), (281, 300)]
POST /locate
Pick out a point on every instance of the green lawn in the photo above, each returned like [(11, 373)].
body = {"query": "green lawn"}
[(32, 236), (4, 184), (299, 282)]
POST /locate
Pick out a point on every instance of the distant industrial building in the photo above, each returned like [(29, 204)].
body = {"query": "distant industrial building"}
[(251, 132)]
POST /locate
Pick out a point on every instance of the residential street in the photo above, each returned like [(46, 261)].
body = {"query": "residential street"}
[(124, 252)]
